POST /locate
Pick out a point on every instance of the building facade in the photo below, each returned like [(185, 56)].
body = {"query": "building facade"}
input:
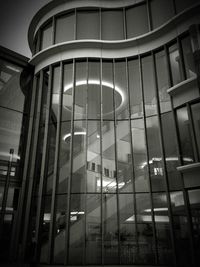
[(111, 172)]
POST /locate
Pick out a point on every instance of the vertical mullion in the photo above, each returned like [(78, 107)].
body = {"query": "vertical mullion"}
[(149, 17), (174, 6), (163, 161), (132, 157), (53, 30), (75, 26), (147, 154), (67, 237), (182, 64), (44, 156), (124, 20), (116, 162), (55, 172)]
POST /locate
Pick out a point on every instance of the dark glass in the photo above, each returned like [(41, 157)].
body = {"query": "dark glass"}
[(171, 151), (93, 157), (155, 156), (93, 229), (65, 28), (140, 156), (56, 93), (127, 229), (110, 229), (185, 136), (81, 90), (196, 120), (194, 199), (108, 90), (79, 157), (161, 217), (94, 90), (88, 24), (121, 91), (124, 159), (108, 157), (180, 226), (46, 36), (67, 92), (77, 229), (149, 85), (45, 227), (161, 11), (175, 64), (182, 5), (136, 104), (64, 157), (163, 81), (60, 229), (112, 25), (188, 57), (136, 21)]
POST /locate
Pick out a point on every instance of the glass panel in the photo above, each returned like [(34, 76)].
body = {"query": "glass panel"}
[(107, 90), (121, 94), (181, 5), (1, 195), (140, 156), (175, 64), (45, 226), (149, 85), (94, 90), (124, 159), (64, 157), (135, 89), (11, 93), (188, 57), (108, 157), (93, 229), (146, 244), (127, 229), (161, 11), (185, 136), (47, 36), (88, 24), (194, 199), (65, 28), (56, 94), (154, 151), (110, 229), (60, 229), (180, 227), (77, 229), (93, 157), (136, 21), (196, 120), (112, 25), (80, 91), (67, 92), (79, 157), (161, 217), (162, 80)]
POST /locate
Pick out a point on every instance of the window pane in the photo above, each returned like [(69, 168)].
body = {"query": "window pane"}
[(65, 28), (56, 93), (175, 64), (136, 105), (47, 36), (93, 157), (88, 24), (188, 57), (136, 21), (196, 120), (108, 157), (149, 85), (181, 5), (112, 25), (162, 79), (161, 11), (140, 156), (185, 136)]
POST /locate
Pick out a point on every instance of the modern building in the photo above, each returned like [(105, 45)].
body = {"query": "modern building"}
[(110, 161)]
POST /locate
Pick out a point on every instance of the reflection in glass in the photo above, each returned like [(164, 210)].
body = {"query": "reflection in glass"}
[(136, 21), (196, 120), (181, 5), (47, 36), (140, 156), (148, 85), (188, 57), (112, 26), (187, 152), (56, 94), (65, 28), (175, 64), (136, 105)]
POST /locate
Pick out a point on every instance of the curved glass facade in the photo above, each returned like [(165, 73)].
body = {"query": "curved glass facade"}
[(108, 24)]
